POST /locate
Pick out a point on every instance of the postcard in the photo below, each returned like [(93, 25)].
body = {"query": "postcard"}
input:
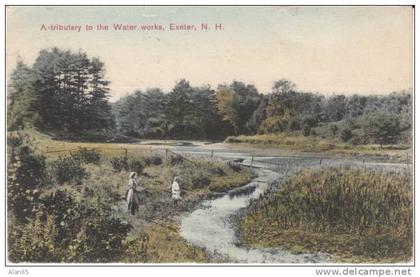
[(210, 135)]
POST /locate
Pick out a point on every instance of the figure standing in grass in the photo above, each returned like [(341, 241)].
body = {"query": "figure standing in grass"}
[(176, 190), (133, 189)]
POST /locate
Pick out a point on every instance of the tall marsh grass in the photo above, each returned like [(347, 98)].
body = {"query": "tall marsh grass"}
[(349, 212)]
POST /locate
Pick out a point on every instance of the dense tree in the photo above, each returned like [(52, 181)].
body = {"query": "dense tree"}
[(179, 107), (382, 128), (228, 107), (336, 107), (21, 98), (247, 100), (259, 115), (62, 91), (281, 107)]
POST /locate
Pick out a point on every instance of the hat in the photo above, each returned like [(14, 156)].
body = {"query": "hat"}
[(133, 174)]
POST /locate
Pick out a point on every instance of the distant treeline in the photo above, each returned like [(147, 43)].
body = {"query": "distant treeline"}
[(239, 109), (67, 91)]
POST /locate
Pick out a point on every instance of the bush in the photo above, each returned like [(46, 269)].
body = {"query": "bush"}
[(87, 156), (153, 160), (26, 174), (120, 163), (70, 226), (200, 180), (346, 134), (68, 170), (174, 160), (136, 166), (356, 140), (306, 131)]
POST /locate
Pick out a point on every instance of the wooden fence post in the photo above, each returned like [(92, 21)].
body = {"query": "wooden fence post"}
[(126, 153), (320, 161), (252, 160)]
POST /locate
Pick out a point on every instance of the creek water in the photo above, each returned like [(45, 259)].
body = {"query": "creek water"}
[(209, 225)]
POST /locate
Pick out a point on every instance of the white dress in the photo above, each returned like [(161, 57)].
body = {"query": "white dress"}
[(176, 191)]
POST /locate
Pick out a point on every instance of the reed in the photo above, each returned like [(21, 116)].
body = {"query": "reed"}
[(352, 213)]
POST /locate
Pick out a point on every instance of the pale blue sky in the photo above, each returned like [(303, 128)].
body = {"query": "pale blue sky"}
[(324, 49)]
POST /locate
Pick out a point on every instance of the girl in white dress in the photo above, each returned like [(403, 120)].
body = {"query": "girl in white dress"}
[(176, 190)]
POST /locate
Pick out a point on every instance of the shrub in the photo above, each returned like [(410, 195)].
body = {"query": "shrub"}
[(70, 226), (174, 160), (356, 140), (26, 174), (200, 180), (153, 160), (33, 241), (87, 155), (137, 249), (120, 163), (67, 170), (382, 128), (136, 166), (346, 134)]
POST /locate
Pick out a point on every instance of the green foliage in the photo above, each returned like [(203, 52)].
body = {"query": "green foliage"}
[(346, 134), (281, 108), (341, 211), (153, 160), (136, 166), (63, 91), (26, 175), (119, 163), (21, 99), (87, 156), (70, 227), (382, 128), (33, 241), (306, 131), (129, 164), (67, 169)]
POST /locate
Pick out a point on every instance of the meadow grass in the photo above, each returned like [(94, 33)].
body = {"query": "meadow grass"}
[(357, 215), (154, 236), (294, 142)]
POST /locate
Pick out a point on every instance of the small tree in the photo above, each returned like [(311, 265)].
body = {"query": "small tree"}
[(381, 127)]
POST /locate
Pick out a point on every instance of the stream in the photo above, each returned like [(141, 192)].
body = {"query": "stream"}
[(209, 226)]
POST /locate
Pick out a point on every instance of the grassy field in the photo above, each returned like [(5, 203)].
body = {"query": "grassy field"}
[(88, 173), (357, 215), (395, 153)]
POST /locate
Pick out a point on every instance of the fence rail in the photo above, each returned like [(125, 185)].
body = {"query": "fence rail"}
[(275, 163)]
